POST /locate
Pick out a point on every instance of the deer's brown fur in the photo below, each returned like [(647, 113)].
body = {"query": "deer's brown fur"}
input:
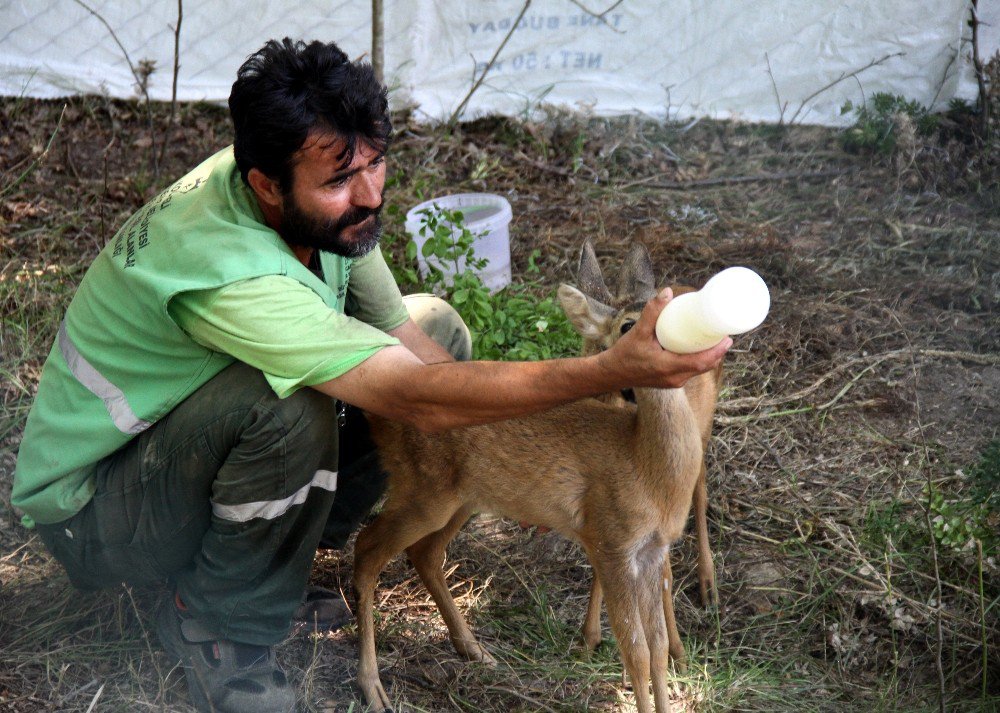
[(619, 481)]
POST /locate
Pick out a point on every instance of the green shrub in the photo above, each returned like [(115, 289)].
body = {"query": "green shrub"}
[(515, 323), (875, 127)]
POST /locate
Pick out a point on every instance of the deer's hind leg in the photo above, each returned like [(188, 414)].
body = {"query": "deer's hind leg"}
[(676, 646), (427, 556), (706, 568), (592, 621), (395, 529)]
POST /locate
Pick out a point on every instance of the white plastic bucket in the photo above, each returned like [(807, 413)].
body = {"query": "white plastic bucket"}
[(487, 217)]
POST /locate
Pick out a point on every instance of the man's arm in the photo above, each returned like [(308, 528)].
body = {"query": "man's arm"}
[(397, 384), (425, 348)]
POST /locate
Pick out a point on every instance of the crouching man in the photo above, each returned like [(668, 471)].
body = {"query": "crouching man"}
[(186, 424)]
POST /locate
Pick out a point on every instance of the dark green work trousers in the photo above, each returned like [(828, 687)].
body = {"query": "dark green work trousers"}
[(229, 495)]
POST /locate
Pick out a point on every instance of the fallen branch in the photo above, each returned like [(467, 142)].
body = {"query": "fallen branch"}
[(873, 361), (730, 180)]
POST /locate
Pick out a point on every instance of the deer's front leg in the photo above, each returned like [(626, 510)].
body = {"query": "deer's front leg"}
[(394, 530)]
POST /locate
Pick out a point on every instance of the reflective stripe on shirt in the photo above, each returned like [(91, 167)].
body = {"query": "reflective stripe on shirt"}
[(96, 383)]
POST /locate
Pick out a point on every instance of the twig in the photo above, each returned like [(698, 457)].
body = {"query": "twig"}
[(538, 705), (781, 107), (177, 60), (838, 80), (875, 587), (97, 697), (729, 180), (977, 62), (378, 40), (111, 31), (600, 16), (177, 67), (141, 76), (927, 521), (489, 65), (944, 75), (982, 613)]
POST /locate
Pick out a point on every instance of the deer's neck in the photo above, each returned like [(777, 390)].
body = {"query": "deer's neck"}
[(668, 444)]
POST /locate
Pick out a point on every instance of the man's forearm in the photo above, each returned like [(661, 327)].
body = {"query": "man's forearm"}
[(469, 393)]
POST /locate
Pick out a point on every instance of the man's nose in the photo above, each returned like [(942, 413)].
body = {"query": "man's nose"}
[(367, 188)]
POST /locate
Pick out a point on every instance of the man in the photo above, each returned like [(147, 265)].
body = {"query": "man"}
[(185, 426)]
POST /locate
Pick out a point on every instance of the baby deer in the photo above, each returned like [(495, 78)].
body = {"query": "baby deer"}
[(635, 285), (617, 480)]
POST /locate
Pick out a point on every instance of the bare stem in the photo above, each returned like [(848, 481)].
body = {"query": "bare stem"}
[(177, 60), (781, 108), (141, 76), (977, 62), (838, 80), (982, 614), (927, 523), (378, 40), (489, 65), (600, 15)]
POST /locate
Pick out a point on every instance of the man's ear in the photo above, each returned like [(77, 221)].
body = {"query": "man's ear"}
[(267, 190)]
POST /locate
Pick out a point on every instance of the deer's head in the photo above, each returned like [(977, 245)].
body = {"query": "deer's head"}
[(600, 317)]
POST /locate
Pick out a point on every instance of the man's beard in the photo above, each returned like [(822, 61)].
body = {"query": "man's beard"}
[(301, 229)]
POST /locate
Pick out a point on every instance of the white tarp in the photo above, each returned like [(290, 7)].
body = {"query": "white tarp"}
[(683, 59)]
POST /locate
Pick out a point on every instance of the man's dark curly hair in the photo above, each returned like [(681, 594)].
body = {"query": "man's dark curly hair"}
[(287, 89)]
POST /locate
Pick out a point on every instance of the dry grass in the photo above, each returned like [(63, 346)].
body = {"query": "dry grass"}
[(876, 371)]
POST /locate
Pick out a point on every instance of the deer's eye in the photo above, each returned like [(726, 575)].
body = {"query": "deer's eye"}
[(627, 325)]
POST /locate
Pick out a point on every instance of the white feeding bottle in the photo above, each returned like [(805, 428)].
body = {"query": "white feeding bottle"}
[(733, 302)]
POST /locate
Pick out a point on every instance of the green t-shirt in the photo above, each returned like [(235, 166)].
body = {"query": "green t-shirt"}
[(278, 325)]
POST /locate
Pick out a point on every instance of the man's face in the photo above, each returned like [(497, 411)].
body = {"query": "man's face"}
[(331, 206)]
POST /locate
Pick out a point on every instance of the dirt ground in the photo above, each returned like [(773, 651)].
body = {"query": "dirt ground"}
[(876, 373)]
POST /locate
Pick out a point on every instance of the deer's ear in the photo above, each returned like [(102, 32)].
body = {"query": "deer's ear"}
[(636, 281), (589, 317), (589, 277)]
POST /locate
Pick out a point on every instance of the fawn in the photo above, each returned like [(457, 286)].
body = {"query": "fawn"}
[(636, 284), (619, 481)]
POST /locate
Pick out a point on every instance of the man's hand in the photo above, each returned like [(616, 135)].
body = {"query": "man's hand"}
[(639, 358)]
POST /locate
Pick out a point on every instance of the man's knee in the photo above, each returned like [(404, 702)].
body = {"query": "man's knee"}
[(442, 323), (306, 415)]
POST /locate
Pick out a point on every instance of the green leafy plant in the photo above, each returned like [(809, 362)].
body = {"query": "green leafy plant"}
[(515, 323), (876, 122), (959, 520)]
